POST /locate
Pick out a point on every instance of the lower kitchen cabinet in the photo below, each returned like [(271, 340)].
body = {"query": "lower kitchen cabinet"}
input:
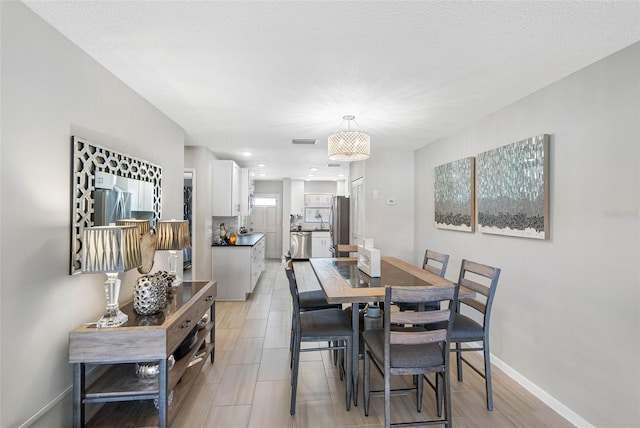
[(320, 244), (237, 268)]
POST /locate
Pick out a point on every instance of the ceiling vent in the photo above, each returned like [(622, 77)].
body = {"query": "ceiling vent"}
[(333, 165), (306, 141)]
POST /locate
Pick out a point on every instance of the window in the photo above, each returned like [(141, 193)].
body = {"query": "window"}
[(264, 202)]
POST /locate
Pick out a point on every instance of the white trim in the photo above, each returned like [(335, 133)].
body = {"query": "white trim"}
[(537, 392), (541, 394), (50, 405)]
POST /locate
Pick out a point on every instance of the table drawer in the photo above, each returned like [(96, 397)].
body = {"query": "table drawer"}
[(188, 320)]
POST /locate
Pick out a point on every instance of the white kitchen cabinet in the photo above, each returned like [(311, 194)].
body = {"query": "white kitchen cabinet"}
[(297, 197), (320, 243), (237, 268), (317, 199), (226, 189), (245, 191)]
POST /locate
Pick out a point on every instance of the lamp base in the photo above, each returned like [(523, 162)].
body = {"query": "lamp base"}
[(113, 316), (177, 281), (112, 320)]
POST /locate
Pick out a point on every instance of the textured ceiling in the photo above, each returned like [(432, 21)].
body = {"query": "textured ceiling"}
[(249, 75)]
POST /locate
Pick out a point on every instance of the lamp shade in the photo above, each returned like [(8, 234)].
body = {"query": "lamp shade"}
[(109, 249), (172, 235), (144, 226), (349, 146)]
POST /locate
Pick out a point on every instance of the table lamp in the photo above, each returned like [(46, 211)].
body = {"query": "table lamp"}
[(110, 250), (173, 235), (144, 226)]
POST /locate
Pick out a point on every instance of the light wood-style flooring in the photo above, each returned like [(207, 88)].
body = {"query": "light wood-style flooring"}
[(248, 385)]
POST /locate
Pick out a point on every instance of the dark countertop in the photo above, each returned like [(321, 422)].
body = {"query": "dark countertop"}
[(246, 240)]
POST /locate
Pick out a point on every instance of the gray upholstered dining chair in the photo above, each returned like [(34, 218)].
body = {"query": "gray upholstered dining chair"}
[(435, 263), (412, 350), (323, 325), (465, 328), (310, 300)]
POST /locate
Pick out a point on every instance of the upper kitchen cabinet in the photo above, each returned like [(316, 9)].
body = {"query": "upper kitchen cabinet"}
[(246, 191), (226, 189), (317, 199), (297, 197)]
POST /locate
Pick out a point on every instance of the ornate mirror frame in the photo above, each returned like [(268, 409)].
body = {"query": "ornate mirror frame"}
[(88, 158)]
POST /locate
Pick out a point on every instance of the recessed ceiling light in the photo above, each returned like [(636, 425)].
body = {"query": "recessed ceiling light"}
[(263, 175), (246, 154), (313, 168), (340, 175), (309, 175), (261, 165)]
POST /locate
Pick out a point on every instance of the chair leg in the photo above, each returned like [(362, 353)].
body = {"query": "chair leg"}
[(387, 400), (487, 374), (459, 360), (438, 379), (446, 377), (419, 392), (347, 369), (294, 376), (366, 380)]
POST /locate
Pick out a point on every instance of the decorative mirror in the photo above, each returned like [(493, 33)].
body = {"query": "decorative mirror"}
[(108, 186)]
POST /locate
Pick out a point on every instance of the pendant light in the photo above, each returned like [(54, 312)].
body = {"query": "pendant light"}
[(349, 145)]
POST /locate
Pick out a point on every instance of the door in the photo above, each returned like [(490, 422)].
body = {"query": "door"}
[(267, 218), (356, 209)]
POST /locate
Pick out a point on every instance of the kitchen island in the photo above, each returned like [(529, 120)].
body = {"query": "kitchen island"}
[(237, 268)]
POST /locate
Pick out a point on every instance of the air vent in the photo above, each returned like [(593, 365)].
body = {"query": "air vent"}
[(303, 141), (333, 165)]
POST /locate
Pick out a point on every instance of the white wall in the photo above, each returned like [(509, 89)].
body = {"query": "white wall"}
[(566, 310), (50, 91)]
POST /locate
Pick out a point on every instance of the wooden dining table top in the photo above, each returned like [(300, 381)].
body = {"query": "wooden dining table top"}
[(343, 282)]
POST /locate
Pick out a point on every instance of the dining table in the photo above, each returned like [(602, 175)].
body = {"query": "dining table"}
[(343, 282)]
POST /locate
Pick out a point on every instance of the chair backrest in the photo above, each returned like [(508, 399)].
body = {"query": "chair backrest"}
[(420, 295), (471, 274), (435, 262), (293, 289)]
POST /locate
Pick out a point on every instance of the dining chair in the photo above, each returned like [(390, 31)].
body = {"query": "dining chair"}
[(310, 300), (467, 329), (323, 325), (412, 350), (435, 263)]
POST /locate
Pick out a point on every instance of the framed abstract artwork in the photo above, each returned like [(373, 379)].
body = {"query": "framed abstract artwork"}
[(454, 195), (513, 189)]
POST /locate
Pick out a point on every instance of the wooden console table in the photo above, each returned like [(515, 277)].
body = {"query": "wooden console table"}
[(127, 400)]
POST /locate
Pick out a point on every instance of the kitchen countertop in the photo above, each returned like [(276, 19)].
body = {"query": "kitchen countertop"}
[(246, 240), (310, 230)]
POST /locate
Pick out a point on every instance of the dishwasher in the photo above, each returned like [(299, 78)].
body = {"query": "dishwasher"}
[(300, 245)]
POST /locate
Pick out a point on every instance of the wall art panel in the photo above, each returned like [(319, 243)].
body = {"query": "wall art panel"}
[(513, 189), (454, 195)]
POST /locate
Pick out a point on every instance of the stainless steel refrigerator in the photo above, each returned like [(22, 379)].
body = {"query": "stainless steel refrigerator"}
[(339, 223)]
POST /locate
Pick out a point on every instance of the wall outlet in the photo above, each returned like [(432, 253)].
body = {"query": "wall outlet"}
[(391, 201)]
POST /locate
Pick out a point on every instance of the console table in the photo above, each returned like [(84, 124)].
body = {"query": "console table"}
[(127, 400)]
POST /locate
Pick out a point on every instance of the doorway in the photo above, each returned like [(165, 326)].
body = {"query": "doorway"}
[(189, 214), (357, 211), (267, 218)]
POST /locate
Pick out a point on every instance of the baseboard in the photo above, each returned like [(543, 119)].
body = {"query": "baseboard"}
[(93, 371), (538, 392)]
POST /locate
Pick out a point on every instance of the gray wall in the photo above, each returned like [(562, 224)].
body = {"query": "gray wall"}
[(566, 311), (50, 91), (388, 175), (200, 159)]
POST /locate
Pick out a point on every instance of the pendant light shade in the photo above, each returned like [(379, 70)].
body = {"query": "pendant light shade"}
[(349, 145)]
